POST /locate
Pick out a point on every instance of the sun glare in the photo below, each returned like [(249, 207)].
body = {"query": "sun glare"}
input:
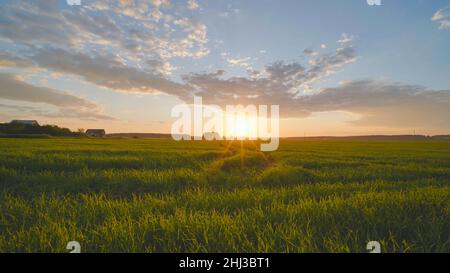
[(242, 127)]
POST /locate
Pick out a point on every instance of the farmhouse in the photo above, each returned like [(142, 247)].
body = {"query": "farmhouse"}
[(95, 132), (26, 122)]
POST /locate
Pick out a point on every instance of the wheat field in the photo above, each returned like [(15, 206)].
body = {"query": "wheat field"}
[(143, 195)]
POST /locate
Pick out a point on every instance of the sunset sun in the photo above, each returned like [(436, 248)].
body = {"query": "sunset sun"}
[(242, 128)]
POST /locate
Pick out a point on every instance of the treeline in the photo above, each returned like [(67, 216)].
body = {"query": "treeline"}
[(23, 130)]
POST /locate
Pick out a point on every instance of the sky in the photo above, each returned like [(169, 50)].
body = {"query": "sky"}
[(333, 67)]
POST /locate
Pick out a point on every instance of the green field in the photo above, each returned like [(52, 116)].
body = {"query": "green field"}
[(135, 195)]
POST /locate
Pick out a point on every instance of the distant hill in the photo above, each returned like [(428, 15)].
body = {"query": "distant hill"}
[(367, 137), (376, 137), (140, 135), (442, 137)]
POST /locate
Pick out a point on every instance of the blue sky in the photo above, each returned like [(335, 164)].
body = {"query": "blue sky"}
[(397, 40), (334, 67)]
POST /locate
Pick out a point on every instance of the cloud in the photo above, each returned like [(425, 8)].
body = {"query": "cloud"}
[(140, 30), (280, 82), (441, 14), (160, 67), (345, 39), (161, 3), (112, 44), (230, 10), (288, 84), (107, 71), (14, 88), (442, 17), (29, 110), (118, 45), (383, 104), (102, 70), (277, 81), (193, 5), (242, 62), (197, 33), (7, 60)]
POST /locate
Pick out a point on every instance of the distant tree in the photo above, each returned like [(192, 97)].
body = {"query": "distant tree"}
[(52, 130)]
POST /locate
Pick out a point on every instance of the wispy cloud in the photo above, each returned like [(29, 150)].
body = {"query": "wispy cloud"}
[(139, 30), (383, 104), (106, 71), (193, 4), (14, 88), (280, 82), (290, 79), (229, 11), (242, 62), (345, 39), (442, 17)]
